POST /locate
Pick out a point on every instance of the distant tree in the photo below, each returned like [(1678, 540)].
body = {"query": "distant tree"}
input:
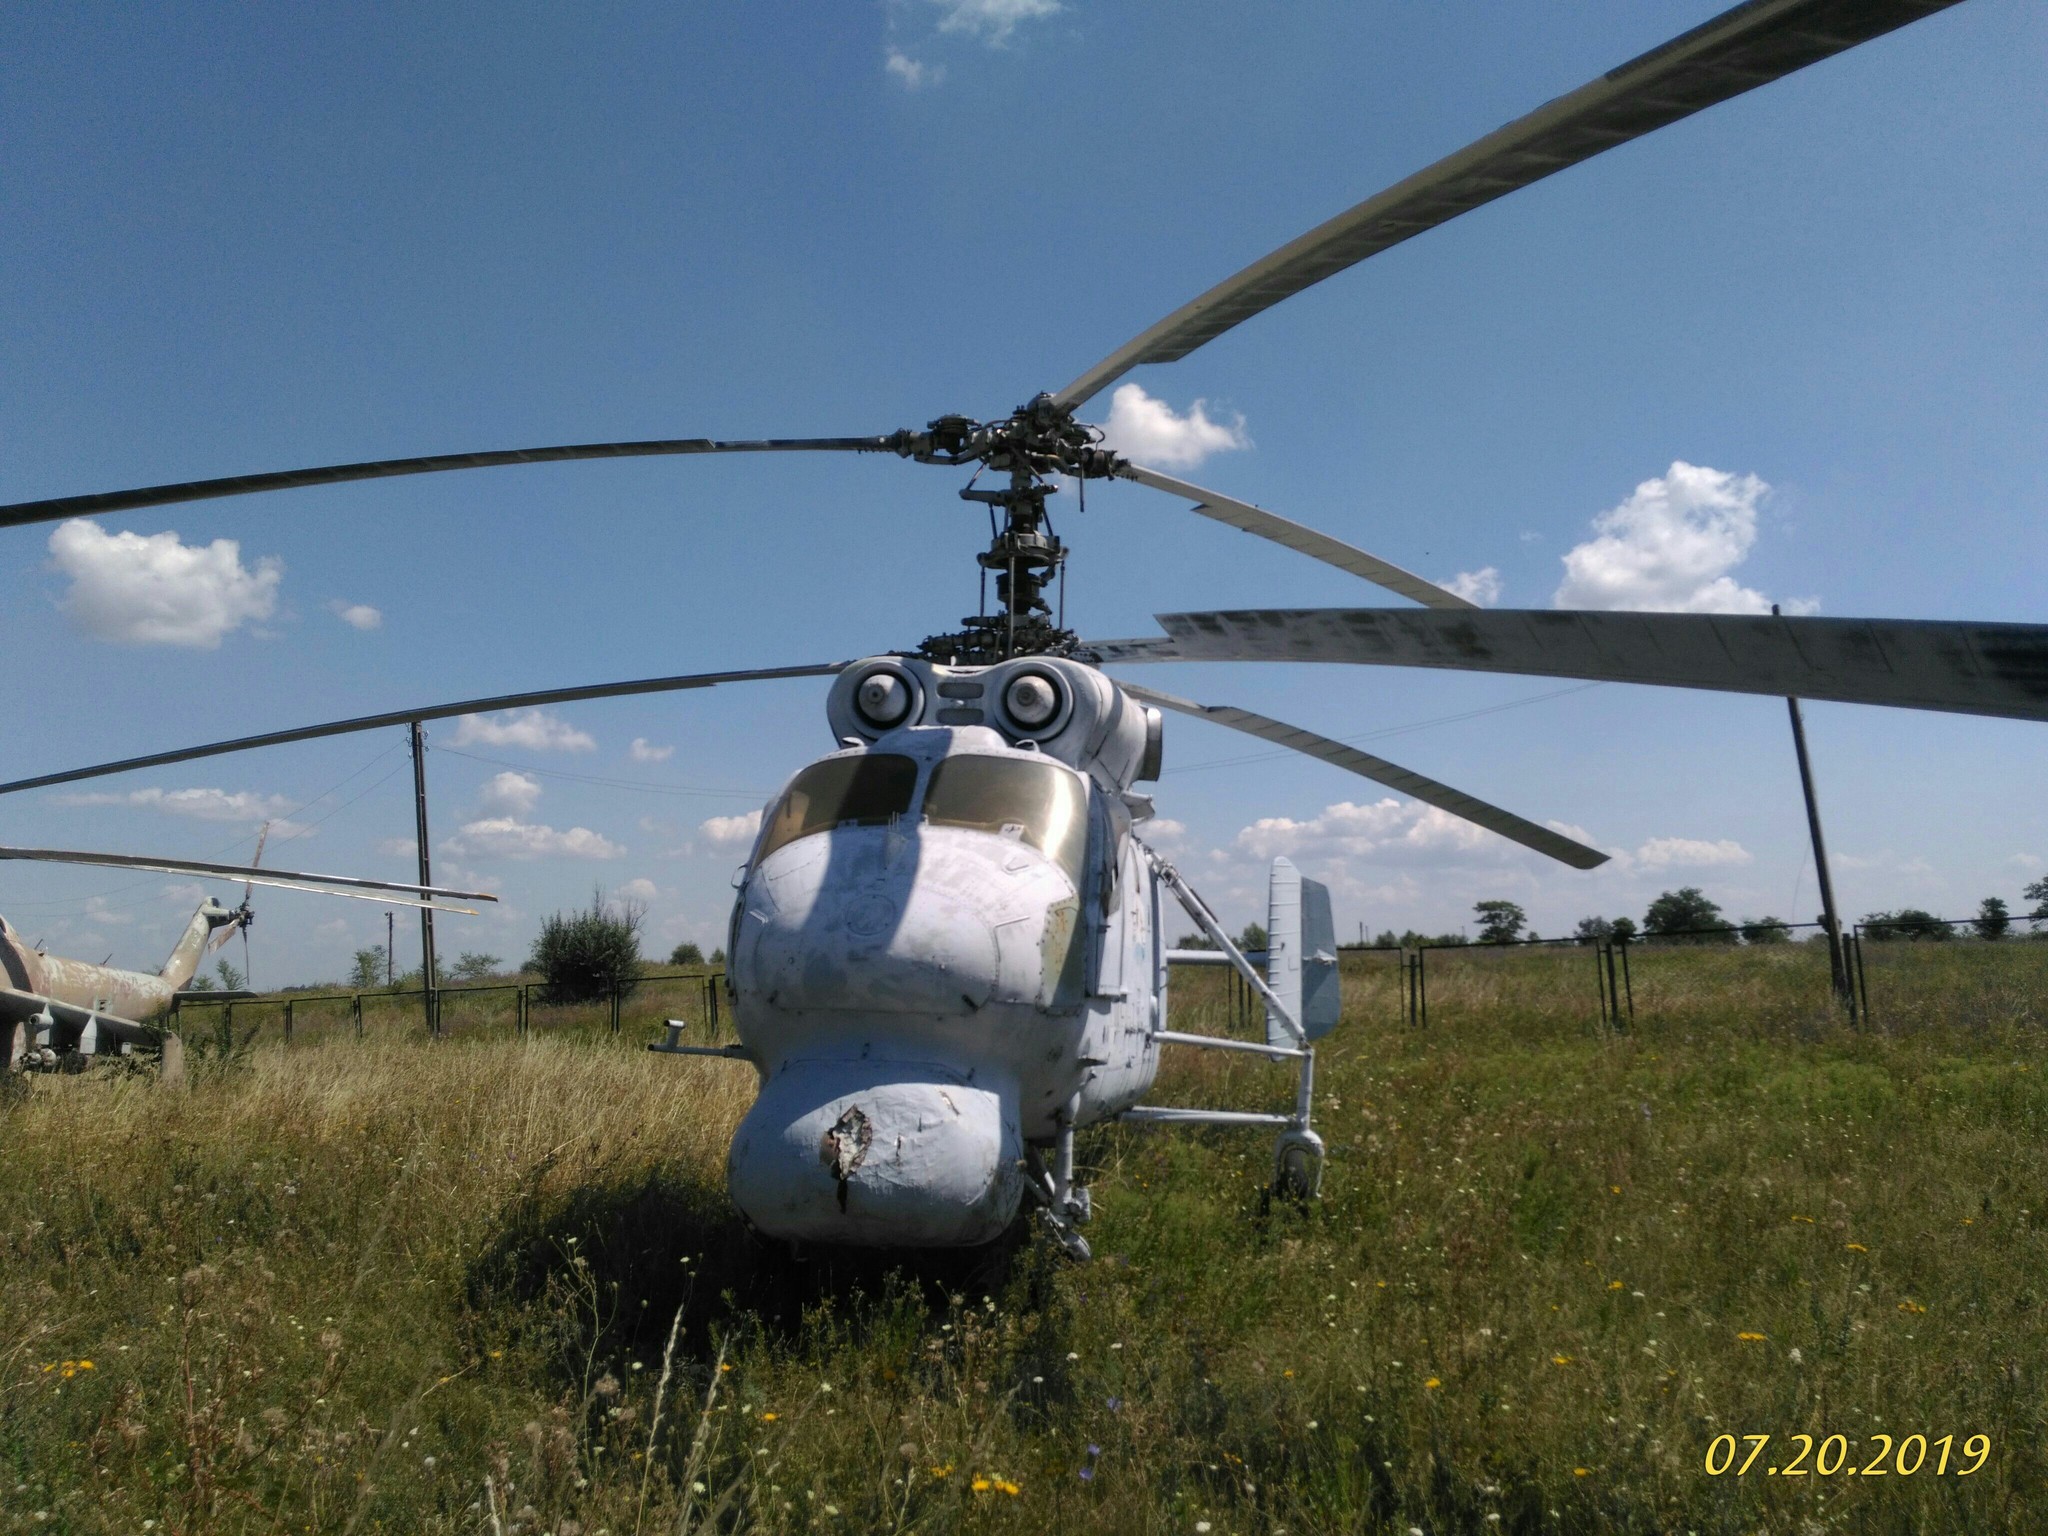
[(686, 953), (1906, 923), (369, 969), (1678, 915), (1500, 922), (586, 955), (1624, 929), (1253, 937), (1194, 941), (199, 984), (1992, 919), (1766, 930), (718, 957), (471, 966), (1593, 930), (231, 980), (2037, 893)]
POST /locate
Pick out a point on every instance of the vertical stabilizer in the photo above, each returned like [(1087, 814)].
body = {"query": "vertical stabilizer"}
[(191, 948), (1301, 954)]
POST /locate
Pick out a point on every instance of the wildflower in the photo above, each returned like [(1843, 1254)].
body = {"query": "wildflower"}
[(1582, 1471), (1094, 1449), (1615, 1285), (981, 1485), (1432, 1384), (945, 1471), (1201, 1525), (1750, 1338), (1288, 1374), (769, 1418), (85, 1365), (1004, 1485), (1614, 1189), (723, 1367), (1072, 1356), (1911, 1306), (1560, 1359), (1795, 1357), (1807, 1219), (1086, 1474), (1855, 1247), (1115, 1404)]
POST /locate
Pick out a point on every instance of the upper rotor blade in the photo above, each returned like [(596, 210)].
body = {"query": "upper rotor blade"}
[(284, 878), (1971, 669), (333, 474), (1317, 546), (1515, 828), (1748, 46), (431, 712)]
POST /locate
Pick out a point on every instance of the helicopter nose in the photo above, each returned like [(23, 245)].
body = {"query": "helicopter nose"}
[(847, 1152)]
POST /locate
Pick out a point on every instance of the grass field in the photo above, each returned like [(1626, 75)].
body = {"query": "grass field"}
[(493, 1284)]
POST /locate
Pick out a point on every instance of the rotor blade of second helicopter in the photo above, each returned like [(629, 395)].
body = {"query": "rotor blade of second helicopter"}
[(430, 712), (284, 879), (54, 508), (1416, 786), (1296, 536)]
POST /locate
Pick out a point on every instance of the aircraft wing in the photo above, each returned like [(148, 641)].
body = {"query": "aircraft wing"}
[(86, 1031)]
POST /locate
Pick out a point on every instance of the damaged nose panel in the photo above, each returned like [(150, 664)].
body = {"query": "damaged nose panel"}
[(838, 1152)]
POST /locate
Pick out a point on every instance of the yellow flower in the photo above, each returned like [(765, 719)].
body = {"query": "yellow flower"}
[(1615, 1285), (1911, 1306), (769, 1418), (85, 1365), (945, 1471), (1582, 1471), (1560, 1359), (981, 1485), (1004, 1485), (1432, 1384), (723, 1367), (1855, 1247), (1807, 1219), (1751, 1338), (1614, 1189), (1287, 1373)]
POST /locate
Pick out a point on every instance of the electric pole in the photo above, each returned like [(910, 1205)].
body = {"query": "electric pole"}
[(419, 800)]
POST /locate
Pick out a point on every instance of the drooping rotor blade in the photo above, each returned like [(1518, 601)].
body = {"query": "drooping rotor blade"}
[(430, 712), (1739, 50), (1317, 546), (334, 474), (1964, 668), (1515, 828), (284, 879)]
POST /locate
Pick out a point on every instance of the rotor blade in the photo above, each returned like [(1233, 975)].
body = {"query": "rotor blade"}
[(1317, 546), (430, 712), (1742, 48), (284, 878), (1965, 668), (334, 474), (1380, 771)]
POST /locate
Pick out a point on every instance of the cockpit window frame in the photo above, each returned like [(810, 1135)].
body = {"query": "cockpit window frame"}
[(1067, 848), (773, 839)]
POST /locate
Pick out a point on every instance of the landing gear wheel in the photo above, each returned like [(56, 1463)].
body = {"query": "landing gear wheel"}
[(1298, 1166)]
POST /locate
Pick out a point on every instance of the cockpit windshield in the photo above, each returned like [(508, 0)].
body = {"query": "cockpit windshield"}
[(1046, 804), (864, 791)]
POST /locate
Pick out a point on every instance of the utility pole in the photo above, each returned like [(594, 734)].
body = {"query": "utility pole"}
[(1838, 966), (389, 929), (419, 803)]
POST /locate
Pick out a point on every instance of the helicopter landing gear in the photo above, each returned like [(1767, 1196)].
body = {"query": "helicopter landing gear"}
[(1067, 1206), (1298, 1165)]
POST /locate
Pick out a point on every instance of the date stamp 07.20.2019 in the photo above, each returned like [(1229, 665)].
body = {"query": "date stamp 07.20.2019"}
[(1831, 1456)]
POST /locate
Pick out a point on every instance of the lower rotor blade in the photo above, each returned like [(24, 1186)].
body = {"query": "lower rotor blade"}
[(283, 878), (1317, 546), (430, 712), (1962, 668), (51, 510), (1515, 828)]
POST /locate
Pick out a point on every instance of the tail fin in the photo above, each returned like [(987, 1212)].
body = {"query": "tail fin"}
[(1301, 954), (191, 948)]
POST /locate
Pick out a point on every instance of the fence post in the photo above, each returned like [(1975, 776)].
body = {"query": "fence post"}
[(287, 1021), (1862, 982), (356, 1013), (519, 1012), (713, 981)]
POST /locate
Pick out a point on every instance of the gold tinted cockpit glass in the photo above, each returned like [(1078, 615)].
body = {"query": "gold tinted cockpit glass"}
[(862, 791), (1048, 805)]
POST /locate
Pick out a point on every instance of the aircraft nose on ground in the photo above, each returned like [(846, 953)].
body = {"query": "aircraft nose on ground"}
[(845, 1152)]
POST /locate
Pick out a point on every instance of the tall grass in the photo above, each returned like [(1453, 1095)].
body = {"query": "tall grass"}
[(387, 1285)]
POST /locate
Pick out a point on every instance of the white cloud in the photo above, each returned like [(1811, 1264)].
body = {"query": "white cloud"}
[(641, 889), (1670, 546), (514, 792), (911, 73), (1691, 853), (645, 751), (356, 615), (97, 911), (199, 804), (726, 833), (155, 590), (992, 20), (505, 837), (1149, 431), (534, 729), (1387, 831), (399, 847), (1482, 586)]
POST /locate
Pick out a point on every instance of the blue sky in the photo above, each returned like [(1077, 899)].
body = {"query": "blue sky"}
[(256, 239)]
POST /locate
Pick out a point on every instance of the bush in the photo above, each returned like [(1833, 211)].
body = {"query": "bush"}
[(589, 954), (686, 953), (1906, 923)]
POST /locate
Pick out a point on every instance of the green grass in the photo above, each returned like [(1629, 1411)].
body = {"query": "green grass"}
[(388, 1285)]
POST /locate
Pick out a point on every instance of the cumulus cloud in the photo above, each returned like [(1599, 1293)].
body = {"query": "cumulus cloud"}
[(514, 792), (506, 837), (156, 590), (1150, 431), (199, 804), (1482, 586), (1691, 853), (992, 21), (642, 889), (645, 751), (399, 847), (1389, 831), (356, 615), (727, 833), (1670, 546), (912, 74), (534, 729)]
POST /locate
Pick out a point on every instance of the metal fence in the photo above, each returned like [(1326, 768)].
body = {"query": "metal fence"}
[(693, 997)]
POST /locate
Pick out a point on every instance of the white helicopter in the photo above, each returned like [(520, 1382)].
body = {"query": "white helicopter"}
[(945, 955)]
